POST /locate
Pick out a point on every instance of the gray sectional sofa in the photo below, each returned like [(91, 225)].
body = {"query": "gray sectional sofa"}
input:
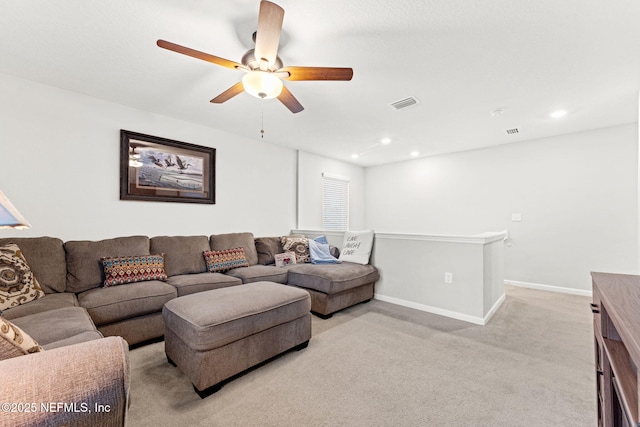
[(71, 277), (76, 310)]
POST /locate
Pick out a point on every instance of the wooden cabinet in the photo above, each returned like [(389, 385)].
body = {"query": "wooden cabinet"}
[(616, 327)]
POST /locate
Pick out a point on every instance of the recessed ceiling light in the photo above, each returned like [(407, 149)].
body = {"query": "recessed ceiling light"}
[(558, 114), (354, 156), (414, 154), (385, 141)]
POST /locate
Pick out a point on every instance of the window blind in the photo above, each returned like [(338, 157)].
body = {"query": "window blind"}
[(335, 202)]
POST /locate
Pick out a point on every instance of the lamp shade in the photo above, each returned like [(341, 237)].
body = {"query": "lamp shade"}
[(262, 84), (9, 215)]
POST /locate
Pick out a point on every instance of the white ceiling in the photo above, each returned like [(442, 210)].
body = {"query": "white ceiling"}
[(460, 58)]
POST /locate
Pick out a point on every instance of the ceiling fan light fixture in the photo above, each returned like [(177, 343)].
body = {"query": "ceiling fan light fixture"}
[(262, 84)]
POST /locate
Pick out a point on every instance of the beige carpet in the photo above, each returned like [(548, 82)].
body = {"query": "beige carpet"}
[(379, 364)]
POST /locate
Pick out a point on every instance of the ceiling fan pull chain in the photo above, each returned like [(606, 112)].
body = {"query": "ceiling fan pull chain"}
[(262, 118)]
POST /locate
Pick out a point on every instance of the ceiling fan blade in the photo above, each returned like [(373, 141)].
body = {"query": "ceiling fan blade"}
[(290, 101), (268, 34), (316, 73), (199, 55), (228, 94)]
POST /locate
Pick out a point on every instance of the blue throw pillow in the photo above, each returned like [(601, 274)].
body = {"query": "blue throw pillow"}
[(319, 251)]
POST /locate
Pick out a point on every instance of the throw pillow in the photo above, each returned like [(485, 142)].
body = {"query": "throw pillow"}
[(131, 269), (18, 285), (267, 248), (297, 245), (15, 342), (319, 251), (356, 246), (225, 260), (284, 259)]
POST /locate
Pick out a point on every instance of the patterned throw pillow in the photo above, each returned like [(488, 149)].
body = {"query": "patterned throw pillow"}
[(225, 260), (130, 269), (15, 342), (297, 245), (17, 282)]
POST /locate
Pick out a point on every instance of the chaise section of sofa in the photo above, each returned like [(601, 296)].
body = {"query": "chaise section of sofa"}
[(334, 287), (185, 264), (132, 311)]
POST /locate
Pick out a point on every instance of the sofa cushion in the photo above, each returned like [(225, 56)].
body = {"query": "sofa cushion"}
[(56, 325), (332, 278), (14, 341), (191, 283), (183, 254), (46, 258), (46, 303), (115, 303), (220, 242), (225, 260), (267, 248), (84, 270), (131, 269), (257, 273), (18, 285), (297, 245), (76, 339)]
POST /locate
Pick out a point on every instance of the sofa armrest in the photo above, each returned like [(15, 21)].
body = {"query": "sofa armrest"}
[(81, 384)]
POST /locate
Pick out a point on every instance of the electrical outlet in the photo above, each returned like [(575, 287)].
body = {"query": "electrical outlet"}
[(448, 277)]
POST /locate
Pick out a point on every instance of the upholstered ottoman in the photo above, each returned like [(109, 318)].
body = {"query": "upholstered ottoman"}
[(213, 335), (334, 287)]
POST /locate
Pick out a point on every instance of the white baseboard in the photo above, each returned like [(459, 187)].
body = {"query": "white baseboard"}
[(442, 312), (495, 308), (549, 288)]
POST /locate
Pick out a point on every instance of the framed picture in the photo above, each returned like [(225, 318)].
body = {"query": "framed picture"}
[(163, 170)]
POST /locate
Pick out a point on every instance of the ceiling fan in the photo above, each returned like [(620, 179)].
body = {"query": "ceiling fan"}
[(262, 65)]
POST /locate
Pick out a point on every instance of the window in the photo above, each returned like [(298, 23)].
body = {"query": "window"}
[(335, 202)]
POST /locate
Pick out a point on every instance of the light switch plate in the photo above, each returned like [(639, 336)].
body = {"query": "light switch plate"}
[(516, 217)]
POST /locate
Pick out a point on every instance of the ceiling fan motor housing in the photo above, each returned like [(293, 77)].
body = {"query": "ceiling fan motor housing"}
[(249, 59)]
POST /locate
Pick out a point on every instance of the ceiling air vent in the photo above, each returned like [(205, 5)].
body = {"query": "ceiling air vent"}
[(404, 103), (512, 131)]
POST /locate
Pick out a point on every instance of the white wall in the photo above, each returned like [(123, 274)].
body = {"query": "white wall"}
[(310, 169), (412, 270), (577, 193), (60, 168)]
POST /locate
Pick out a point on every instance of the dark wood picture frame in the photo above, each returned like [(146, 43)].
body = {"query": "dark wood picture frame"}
[(157, 169)]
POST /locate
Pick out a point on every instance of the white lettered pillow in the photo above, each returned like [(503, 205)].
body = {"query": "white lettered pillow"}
[(356, 246)]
